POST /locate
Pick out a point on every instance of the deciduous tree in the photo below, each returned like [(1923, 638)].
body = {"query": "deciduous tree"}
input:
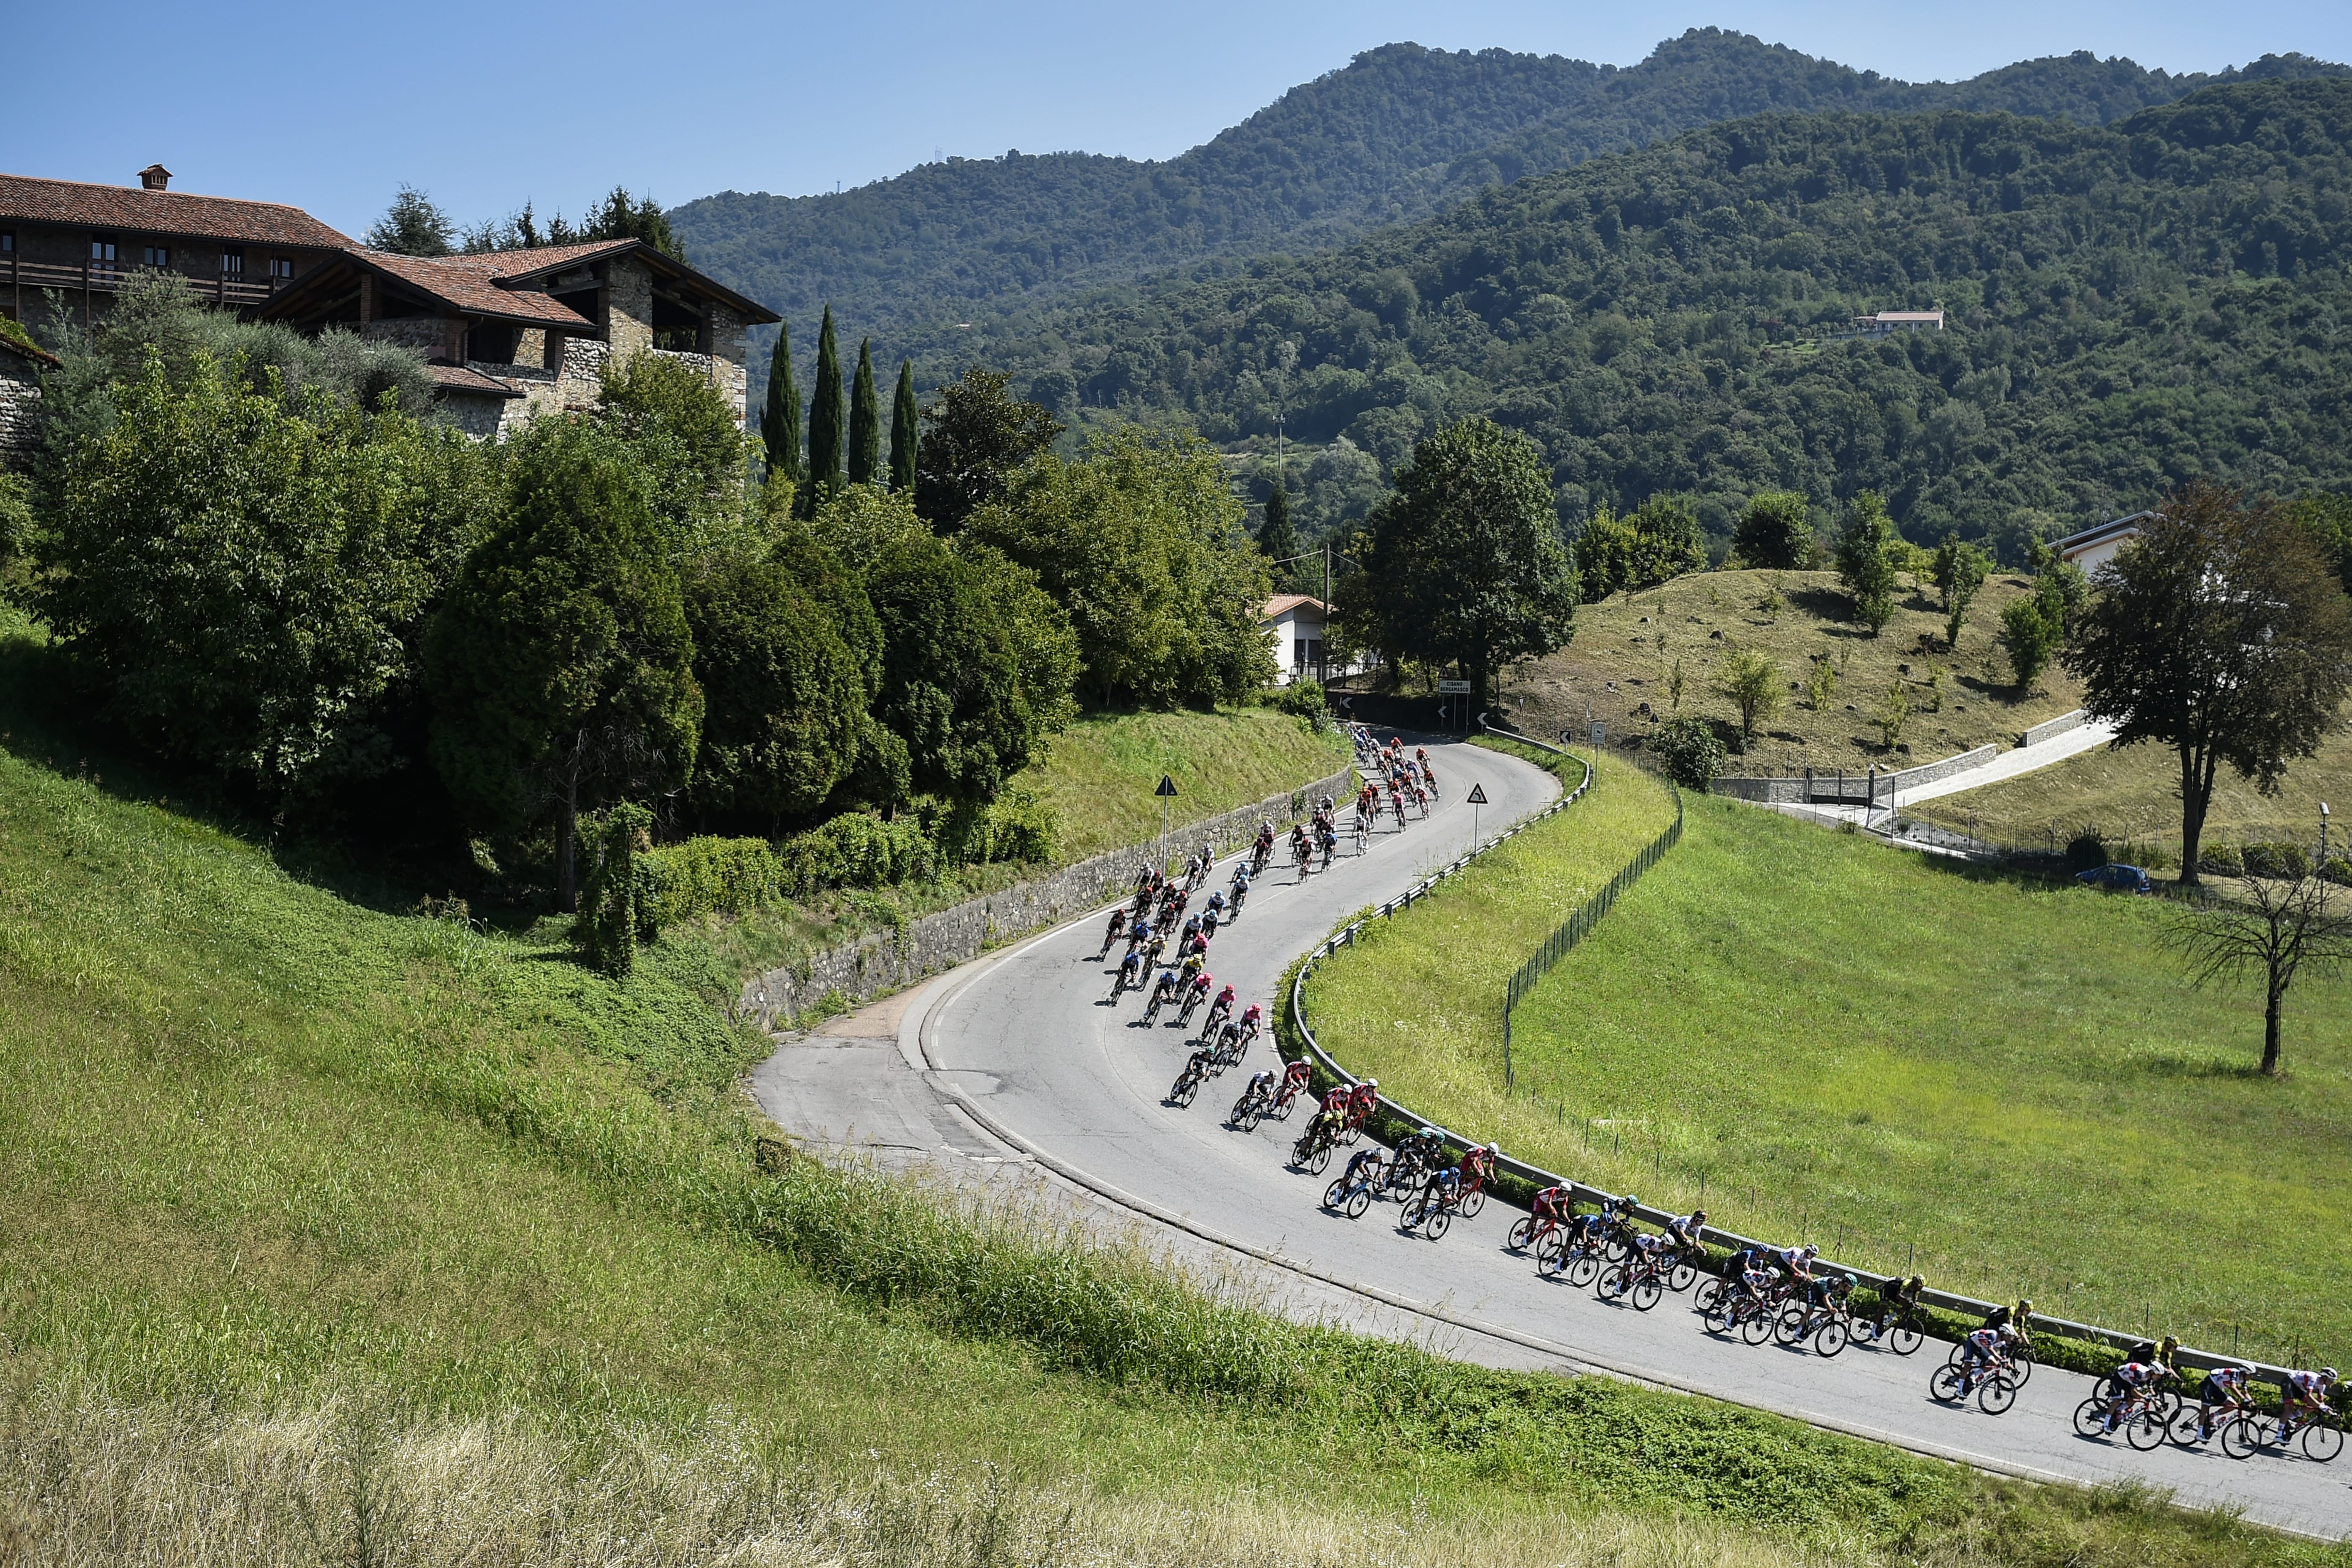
[(1465, 565), (975, 434), (1752, 683), (1776, 531), (1867, 561), (1959, 569), (2274, 927), (561, 665), (2219, 633)]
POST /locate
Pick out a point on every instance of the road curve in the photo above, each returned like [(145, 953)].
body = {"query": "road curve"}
[(1028, 1046)]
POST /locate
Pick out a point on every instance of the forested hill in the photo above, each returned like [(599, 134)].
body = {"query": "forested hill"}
[(1399, 133), (2129, 305)]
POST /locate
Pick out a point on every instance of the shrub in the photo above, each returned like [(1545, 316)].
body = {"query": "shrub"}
[(855, 850), (2277, 860), (2221, 860), (2337, 870), (608, 925), (1692, 754), (1301, 700), (1015, 826), (705, 875)]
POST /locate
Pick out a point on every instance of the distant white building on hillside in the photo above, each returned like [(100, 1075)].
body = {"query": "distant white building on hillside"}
[(2095, 546), (1886, 321), (1293, 625)]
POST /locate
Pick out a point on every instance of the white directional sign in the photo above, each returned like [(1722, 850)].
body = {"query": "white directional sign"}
[(1453, 685)]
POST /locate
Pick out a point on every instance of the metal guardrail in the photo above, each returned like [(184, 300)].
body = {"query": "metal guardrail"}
[(1945, 1300)]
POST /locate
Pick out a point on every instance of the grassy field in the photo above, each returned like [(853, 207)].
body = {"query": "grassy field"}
[(1098, 774), (328, 1233), (2007, 1081), (1624, 652), (2129, 796)]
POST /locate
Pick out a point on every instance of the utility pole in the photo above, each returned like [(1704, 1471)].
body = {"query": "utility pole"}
[(1323, 649)]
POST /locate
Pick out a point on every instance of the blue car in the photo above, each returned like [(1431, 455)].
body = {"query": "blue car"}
[(2117, 878)]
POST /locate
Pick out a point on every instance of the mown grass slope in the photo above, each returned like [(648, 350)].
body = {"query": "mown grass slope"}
[(314, 1217), (1883, 1052), (1622, 658)]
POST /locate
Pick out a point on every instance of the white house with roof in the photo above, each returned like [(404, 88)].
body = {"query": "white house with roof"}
[(2093, 547), (1293, 625)]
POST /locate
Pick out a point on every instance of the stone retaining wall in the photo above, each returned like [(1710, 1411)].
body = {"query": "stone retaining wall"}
[(2058, 726), (886, 961)]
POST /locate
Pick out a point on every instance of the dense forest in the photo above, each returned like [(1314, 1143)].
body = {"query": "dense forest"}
[(2128, 306), (1399, 134)]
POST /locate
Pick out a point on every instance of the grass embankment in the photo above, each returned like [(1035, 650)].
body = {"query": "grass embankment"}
[(1882, 1051), (1625, 650), (1416, 1001), (314, 1218), (1098, 774), (2131, 797)]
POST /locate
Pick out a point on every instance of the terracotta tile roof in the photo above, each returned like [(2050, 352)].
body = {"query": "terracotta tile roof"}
[(29, 200), (451, 377), (33, 351), (1282, 604), (469, 284), (505, 265)]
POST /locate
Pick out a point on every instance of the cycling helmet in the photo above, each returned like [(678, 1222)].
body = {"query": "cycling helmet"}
[(2024, 1304), (1371, 1083), (1811, 1251), (1851, 1281), (1698, 1216), (2328, 1373), (1494, 1148), (1629, 1201)]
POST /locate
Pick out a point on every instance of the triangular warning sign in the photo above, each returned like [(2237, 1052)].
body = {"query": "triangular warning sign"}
[(1167, 786), (1478, 795)]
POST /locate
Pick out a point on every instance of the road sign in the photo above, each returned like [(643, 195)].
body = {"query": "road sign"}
[(1167, 786), (1600, 733), (1478, 795), (1453, 685)]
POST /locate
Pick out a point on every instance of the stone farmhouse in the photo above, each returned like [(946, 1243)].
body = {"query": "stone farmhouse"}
[(505, 334)]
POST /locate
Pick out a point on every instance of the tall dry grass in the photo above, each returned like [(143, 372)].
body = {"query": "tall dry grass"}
[(88, 1482)]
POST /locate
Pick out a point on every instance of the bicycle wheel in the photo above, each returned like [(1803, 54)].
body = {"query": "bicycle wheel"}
[(1645, 1296), (2322, 1440), (1620, 1248), (1790, 1326), (1832, 1337), (1757, 1328), (2187, 1429), (1349, 1136), (2091, 1417), (1680, 1279), (1581, 1271), (1613, 1283), (1319, 1160), (1521, 1233), (1550, 1264), (1359, 1201), (1336, 1194), (1903, 1340), (1716, 1318), (1438, 1223), (1708, 1295), (2022, 1365), (1411, 1218), (1949, 1384), (2144, 1429), (1472, 1202), (1997, 1393), (2242, 1436)]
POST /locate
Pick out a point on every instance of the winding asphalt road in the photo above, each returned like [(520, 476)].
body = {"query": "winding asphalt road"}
[(1024, 1043)]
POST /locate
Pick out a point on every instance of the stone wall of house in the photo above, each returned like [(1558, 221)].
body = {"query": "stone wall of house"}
[(479, 414), (628, 305), (425, 334), (20, 408), (727, 377), (885, 961)]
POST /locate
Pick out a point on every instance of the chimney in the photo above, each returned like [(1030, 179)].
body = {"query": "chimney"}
[(155, 177)]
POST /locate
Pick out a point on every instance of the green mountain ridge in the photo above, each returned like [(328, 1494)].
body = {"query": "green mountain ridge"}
[(1398, 135), (2130, 305)]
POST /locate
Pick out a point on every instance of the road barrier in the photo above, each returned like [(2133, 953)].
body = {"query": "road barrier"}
[(1538, 1178)]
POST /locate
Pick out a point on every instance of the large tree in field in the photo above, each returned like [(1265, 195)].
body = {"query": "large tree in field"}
[(825, 444), (975, 434), (1865, 560), (865, 421), (1466, 565), (780, 421), (561, 665), (2272, 927), (2222, 634)]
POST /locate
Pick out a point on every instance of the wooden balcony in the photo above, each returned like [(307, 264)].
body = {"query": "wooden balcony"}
[(18, 278)]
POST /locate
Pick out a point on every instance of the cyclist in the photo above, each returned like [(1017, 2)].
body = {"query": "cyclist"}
[(1556, 1204), (1294, 1079), (1200, 983), (2224, 1390), (1253, 1020), (1192, 927), (1118, 929), (1363, 1166), (1231, 1041), (1165, 991), (1335, 1101), (2135, 1376), (1899, 1301), (1209, 920), (1130, 972), (1684, 1231), (1981, 1352), (1363, 1101), (1480, 1163), (1223, 1007), (1138, 934), (2304, 1394)]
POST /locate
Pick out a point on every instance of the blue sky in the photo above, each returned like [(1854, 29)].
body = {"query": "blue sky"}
[(330, 106)]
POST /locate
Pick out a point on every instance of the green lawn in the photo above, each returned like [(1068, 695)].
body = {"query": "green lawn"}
[(302, 1204), (1890, 1053), (1099, 773)]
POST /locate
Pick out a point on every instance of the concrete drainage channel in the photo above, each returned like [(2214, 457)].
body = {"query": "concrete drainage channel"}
[(1944, 1300)]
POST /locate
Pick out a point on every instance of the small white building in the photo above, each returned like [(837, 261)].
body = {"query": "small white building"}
[(1294, 626), (1886, 321), (2095, 547)]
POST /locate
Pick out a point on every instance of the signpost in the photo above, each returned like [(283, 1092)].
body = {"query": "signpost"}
[(1166, 792), (1446, 710), (1477, 799)]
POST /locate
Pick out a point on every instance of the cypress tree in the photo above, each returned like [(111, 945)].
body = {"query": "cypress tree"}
[(905, 420), (780, 422), (825, 454), (864, 420), (1276, 536)]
